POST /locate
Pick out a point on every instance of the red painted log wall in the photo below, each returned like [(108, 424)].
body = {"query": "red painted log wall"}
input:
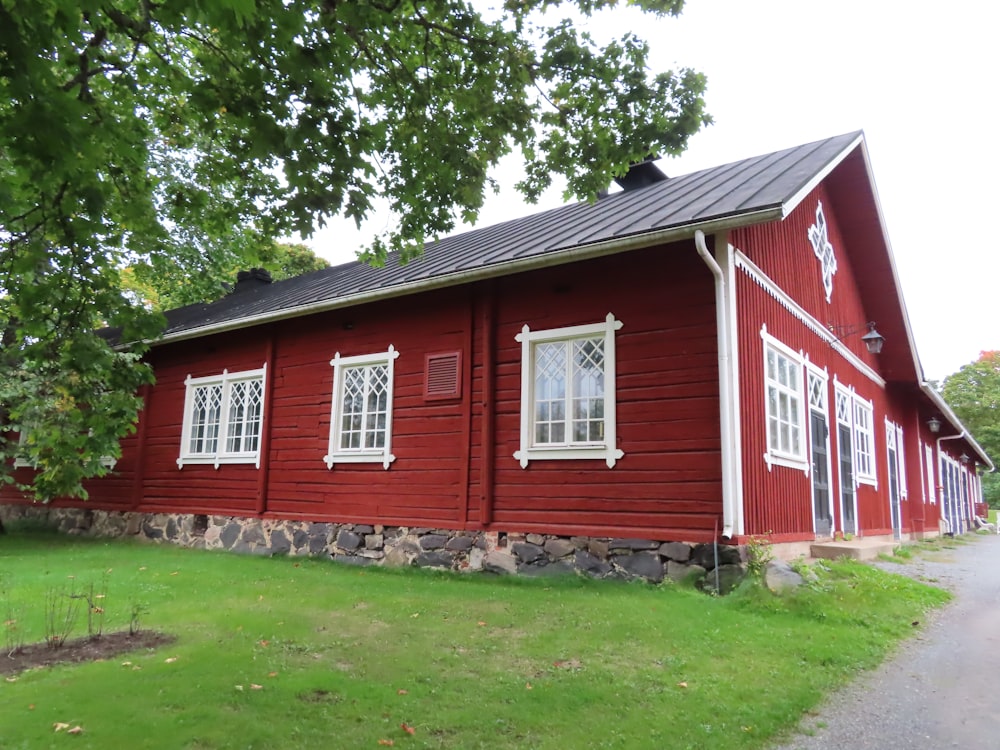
[(454, 463)]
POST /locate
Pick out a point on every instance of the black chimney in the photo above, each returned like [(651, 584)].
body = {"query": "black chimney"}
[(251, 279), (640, 175)]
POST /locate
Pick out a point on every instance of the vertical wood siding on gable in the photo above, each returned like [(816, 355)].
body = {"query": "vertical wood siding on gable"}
[(780, 500), (782, 251)]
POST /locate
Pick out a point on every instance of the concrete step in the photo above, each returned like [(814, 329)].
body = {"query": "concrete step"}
[(856, 549)]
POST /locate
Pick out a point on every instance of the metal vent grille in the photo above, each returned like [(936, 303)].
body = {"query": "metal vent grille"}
[(443, 376)]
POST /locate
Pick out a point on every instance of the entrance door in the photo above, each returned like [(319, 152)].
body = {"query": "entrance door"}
[(845, 444), (820, 474), (894, 509)]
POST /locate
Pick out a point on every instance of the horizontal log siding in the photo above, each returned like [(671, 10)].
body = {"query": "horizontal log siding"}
[(425, 485), (230, 489), (668, 485)]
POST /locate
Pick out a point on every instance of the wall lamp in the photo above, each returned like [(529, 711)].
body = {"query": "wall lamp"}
[(873, 339), (934, 425)]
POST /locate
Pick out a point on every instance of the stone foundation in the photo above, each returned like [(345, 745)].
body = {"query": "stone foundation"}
[(364, 544)]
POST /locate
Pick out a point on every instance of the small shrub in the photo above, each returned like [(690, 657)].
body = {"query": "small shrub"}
[(759, 554), (61, 611)]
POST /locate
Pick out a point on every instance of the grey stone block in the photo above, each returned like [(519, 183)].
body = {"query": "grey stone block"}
[(633, 544), (348, 540), (642, 564), (499, 562), (557, 548), (676, 551), (433, 541), (527, 552), (280, 544), (590, 564), (435, 559), (780, 577), (459, 543)]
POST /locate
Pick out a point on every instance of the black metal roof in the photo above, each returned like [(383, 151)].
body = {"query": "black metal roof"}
[(741, 189)]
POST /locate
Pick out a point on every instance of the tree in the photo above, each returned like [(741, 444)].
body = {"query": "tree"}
[(974, 394), (177, 139), (166, 291)]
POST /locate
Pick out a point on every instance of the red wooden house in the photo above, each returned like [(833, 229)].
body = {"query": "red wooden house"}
[(686, 360)]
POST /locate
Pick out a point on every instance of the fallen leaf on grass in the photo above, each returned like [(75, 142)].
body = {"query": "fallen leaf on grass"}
[(415, 614), (75, 730), (264, 643), (175, 572), (386, 743), (142, 568), (239, 687), (170, 660), (682, 684), (481, 624), (255, 686), (402, 692), (527, 686), (407, 728), (60, 725), (272, 674), (11, 679), (126, 664)]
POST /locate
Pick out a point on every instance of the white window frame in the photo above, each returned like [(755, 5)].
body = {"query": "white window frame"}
[(221, 455), (775, 455), (605, 449), (864, 440), (894, 441), (335, 454)]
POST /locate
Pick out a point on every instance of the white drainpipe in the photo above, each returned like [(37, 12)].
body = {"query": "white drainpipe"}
[(725, 387)]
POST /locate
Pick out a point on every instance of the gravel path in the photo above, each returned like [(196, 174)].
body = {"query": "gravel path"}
[(942, 688)]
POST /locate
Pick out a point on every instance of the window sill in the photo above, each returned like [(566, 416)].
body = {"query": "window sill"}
[(565, 453), (789, 462), (217, 461), (359, 458)]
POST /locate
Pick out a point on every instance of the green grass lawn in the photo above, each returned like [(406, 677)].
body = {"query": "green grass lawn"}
[(302, 653)]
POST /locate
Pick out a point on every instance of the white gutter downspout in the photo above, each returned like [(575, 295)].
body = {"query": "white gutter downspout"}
[(954, 504), (729, 511)]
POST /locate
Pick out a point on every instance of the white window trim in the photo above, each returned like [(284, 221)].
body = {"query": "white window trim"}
[(607, 450), (901, 462), (221, 456), (382, 455), (871, 476), (774, 456), (894, 440)]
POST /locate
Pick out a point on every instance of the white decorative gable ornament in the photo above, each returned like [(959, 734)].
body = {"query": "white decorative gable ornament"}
[(824, 250)]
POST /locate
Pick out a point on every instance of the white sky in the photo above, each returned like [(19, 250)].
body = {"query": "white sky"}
[(920, 78)]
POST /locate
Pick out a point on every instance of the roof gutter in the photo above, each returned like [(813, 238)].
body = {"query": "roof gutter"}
[(545, 260)]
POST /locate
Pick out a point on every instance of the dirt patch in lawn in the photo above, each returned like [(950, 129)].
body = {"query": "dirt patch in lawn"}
[(85, 649)]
